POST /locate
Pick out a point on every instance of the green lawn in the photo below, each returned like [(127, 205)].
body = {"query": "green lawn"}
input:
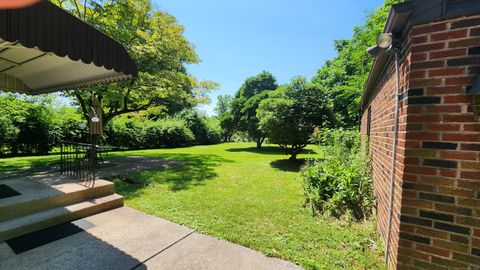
[(250, 197), (7, 164)]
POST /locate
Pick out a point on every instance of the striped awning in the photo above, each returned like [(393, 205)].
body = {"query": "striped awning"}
[(45, 49)]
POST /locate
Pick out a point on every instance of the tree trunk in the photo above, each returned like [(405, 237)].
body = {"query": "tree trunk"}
[(260, 142), (293, 156)]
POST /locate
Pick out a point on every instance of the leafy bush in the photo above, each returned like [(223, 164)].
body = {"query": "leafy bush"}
[(137, 133), (340, 184), (204, 130), (214, 131), (26, 125), (35, 132), (35, 125), (127, 132), (341, 141), (169, 132), (8, 133), (69, 125)]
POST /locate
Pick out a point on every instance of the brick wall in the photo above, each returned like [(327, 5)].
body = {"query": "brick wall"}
[(438, 171), (382, 110)]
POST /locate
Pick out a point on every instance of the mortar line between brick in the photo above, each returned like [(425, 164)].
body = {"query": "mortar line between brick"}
[(162, 250)]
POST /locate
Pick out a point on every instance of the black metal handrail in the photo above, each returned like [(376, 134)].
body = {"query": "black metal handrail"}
[(79, 161)]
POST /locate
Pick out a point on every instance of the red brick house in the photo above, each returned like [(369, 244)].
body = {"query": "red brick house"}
[(426, 171)]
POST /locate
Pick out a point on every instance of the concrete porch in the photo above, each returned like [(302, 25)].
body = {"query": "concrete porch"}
[(125, 238), (46, 199)]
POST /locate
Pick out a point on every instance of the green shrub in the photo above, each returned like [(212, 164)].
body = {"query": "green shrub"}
[(137, 133), (205, 130), (214, 131), (26, 125), (343, 139), (170, 132), (69, 125), (340, 184)]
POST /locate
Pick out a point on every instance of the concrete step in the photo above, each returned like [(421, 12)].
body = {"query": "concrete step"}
[(39, 198), (37, 221)]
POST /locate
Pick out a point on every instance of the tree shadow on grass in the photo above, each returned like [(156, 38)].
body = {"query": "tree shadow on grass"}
[(270, 150), (287, 165), (31, 167), (189, 171)]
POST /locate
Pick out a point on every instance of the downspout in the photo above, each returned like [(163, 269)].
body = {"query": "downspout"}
[(394, 158)]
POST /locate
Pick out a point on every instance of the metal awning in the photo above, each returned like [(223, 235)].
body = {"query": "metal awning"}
[(45, 49)]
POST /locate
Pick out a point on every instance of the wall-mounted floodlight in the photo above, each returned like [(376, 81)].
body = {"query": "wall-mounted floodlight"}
[(385, 41)]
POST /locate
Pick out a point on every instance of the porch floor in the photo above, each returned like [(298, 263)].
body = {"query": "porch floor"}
[(44, 200), (125, 238), (39, 186)]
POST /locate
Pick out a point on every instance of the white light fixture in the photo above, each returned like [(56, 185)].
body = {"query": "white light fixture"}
[(385, 41), (95, 118)]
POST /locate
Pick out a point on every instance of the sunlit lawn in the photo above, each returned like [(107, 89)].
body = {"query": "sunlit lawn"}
[(250, 197)]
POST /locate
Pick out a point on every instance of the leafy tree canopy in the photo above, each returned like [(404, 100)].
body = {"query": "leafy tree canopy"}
[(225, 116), (246, 101), (224, 104), (155, 41), (344, 76)]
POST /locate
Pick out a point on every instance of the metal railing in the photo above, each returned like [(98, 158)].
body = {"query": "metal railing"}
[(79, 161)]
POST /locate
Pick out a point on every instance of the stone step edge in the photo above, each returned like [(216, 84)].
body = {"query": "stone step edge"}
[(42, 220), (13, 211)]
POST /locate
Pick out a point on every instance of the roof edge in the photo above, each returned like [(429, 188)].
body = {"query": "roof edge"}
[(396, 22)]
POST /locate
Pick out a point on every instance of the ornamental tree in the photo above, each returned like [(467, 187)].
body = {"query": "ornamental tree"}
[(289, 115), (246, 101)]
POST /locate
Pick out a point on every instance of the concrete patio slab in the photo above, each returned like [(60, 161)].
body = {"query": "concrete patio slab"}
[(128, 239), (198, 251)]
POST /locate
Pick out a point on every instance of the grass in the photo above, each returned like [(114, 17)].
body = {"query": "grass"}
[(27, 162), (247, 196)]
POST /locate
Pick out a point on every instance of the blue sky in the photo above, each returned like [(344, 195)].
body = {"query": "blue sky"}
[(238, 39)]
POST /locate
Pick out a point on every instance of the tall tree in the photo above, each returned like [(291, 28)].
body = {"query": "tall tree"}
[(289, 115), (344, 76), (225, 116), (224, 104), (246, 101), (155, 41)]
